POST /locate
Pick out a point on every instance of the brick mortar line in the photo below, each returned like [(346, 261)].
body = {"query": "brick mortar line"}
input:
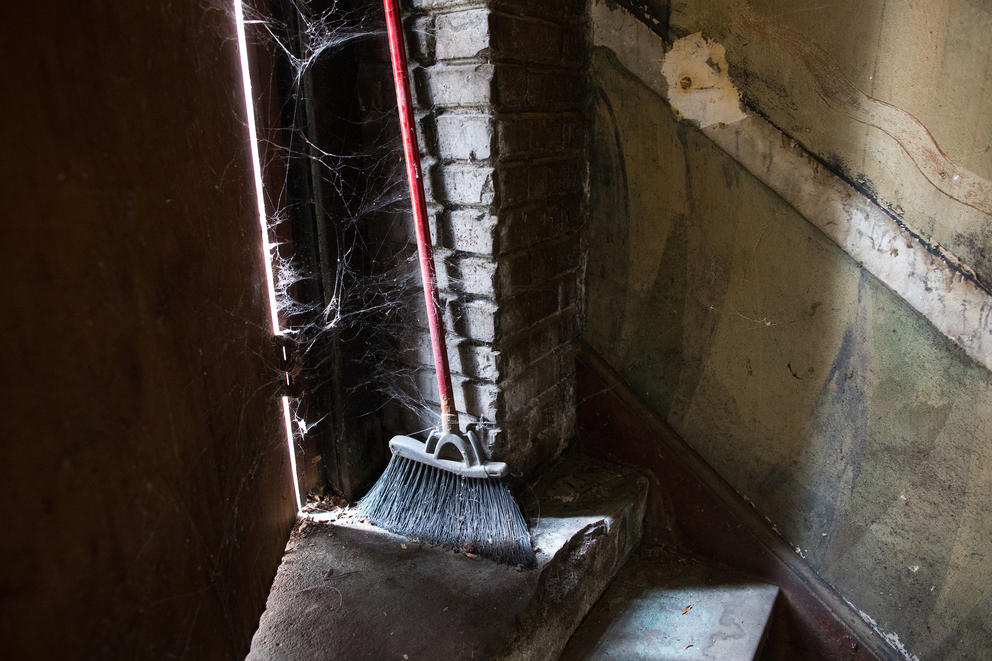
[(457, 9), (567, 311), (553, 242), (561, 109), (562, 275), (570, 310), (521, 416), (546, 196), (566, 22), (420, 112), (515, 155), (578, 68), (494, 10), (505, 256), (528, 155), (466, 379), (447, 296), (511, 61), (448, 7), (481, 162), (546, 68), (498, 256), (458, 110), (498, 115), (451, 336), (536, 203), (462, 61), (553, 159), (500, 61), (510, 381)]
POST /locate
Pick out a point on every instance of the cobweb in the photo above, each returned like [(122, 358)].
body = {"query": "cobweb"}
[(362, 297)]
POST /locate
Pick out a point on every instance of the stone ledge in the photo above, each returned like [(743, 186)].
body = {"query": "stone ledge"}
[(664, 606), (348, 590)]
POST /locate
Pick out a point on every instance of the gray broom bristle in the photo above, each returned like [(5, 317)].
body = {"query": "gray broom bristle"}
[(439, 507)]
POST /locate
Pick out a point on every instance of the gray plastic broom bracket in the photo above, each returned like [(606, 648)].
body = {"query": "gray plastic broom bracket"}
[(466, 446)]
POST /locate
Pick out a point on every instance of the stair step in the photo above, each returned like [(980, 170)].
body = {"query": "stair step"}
[(666, 606), (346, 590)]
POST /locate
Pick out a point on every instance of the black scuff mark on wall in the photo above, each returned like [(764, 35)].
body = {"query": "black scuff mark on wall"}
[(654, 15), (841, 421), (863, 185)]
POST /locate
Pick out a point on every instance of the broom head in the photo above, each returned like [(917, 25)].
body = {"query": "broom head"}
[(442, 493)]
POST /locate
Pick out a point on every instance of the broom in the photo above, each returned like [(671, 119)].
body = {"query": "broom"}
[(444, 491)]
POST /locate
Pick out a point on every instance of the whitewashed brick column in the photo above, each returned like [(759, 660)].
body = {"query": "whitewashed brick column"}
[(500, 89)]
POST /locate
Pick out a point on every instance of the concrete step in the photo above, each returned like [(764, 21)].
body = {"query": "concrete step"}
[(666, 606), (346, 590)]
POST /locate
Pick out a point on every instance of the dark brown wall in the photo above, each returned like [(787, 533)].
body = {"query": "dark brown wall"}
[(143, 462)]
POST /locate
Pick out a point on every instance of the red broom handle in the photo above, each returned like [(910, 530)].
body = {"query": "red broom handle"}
[(397, 52)]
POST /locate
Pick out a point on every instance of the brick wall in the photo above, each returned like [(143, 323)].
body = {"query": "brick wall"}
[(500, 89)]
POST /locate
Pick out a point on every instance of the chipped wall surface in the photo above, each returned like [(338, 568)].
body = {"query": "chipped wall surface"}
[(692, 77), (855, 426), (894, 95)]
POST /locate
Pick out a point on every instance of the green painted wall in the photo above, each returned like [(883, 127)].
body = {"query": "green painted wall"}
[(861, 432)]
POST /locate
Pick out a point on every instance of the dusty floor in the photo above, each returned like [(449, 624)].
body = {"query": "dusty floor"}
[(348, 590)]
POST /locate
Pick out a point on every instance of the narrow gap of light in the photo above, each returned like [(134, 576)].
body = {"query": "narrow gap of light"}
[(288, 417), (256, 164)]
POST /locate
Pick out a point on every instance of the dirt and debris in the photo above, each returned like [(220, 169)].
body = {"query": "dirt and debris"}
[(325, 501)]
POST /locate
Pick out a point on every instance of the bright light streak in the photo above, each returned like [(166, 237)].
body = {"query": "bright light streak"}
[(288, 417), (256, 164)]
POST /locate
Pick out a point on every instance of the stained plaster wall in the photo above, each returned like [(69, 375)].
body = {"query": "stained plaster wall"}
[(844, 416), (895, 96)]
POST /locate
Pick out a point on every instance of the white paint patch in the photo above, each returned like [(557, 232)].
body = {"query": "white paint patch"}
[(891, 638), (699, 87), (692, 77)]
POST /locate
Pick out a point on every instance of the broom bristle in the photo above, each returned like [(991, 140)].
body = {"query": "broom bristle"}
[(442, 508)]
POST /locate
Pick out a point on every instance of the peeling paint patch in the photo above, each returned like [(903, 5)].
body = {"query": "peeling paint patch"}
[(699, 86), (693, 76), (891, 638)]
